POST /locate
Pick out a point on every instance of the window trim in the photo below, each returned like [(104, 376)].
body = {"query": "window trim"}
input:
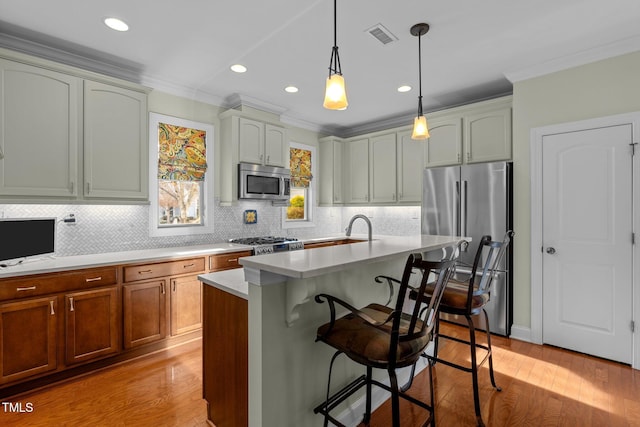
[(207, 196), (309, 204)]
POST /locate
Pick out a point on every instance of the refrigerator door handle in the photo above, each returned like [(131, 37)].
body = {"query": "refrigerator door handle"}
[(456, 197), (463, 209)]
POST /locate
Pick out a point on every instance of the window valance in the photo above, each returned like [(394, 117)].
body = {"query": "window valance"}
[(182, 153), (300, 165)]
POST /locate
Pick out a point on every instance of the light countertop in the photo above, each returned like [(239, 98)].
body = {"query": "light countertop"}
[(319, 261), (55, 264), (231, 281)]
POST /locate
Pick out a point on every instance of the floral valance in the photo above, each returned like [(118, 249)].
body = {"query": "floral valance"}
[(182, 154), (300, 165)]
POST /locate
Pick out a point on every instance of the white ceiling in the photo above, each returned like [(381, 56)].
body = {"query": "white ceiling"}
[(186, 47)]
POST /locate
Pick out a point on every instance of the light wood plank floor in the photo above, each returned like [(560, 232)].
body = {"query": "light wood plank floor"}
[(542, 386)]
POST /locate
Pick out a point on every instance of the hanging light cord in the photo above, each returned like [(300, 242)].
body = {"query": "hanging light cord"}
[(334, 64), (420, 75)]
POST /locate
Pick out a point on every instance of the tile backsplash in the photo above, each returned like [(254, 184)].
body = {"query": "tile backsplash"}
[(114, 228)]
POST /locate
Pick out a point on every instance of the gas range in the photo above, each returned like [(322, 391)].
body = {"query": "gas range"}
[(269, 244)]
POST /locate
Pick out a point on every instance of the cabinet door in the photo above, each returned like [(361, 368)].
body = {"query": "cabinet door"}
[(41, 117), (382, 173), (186, 304), (411, 163), (91, 324), (251, 143), (145, 312), (275, 146), (28, 338), (487, 136), (357, 171), (444, 146), (115, 142), (331, 172)]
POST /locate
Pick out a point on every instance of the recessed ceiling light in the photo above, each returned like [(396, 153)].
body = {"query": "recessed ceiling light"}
[(116, 24), (404, 88), (291, 89), (237, 68)]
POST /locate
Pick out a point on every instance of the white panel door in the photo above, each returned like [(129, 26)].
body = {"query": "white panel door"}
[(587, 229)]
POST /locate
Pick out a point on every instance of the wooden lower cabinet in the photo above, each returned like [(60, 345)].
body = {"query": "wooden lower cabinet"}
[(225, 347), (91, 324), (145, 312), (186, 304), (28, 338)]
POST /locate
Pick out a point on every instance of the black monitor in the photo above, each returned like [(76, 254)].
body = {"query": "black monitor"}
[(24, 237)]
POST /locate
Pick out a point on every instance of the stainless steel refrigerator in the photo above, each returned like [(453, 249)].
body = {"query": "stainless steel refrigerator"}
[(474, 200)]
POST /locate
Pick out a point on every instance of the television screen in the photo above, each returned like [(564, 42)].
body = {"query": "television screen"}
[(23, 237)]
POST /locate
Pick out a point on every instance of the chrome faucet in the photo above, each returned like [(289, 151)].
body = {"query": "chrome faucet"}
[(348, 229)]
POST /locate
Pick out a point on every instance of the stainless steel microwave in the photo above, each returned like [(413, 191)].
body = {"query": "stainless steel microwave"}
[(263, 182)]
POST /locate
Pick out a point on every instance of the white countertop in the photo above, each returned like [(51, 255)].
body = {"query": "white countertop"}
[(55, 264), (231, 281), (319, 261)]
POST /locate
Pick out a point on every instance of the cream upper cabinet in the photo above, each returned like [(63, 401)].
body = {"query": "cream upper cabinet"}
[(382, 168), (64, 136), (261, 143), (275, 146), (41, 121), (115, 142), (251, 144), (356, 171), (474, 133), (331, 171), (487, 136), (444, 146), (410, 164)]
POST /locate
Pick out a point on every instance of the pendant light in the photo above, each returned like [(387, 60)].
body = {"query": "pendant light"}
[(335, 96), (420, 129)]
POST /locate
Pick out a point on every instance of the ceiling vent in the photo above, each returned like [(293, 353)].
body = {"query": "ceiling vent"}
[(381, 34)]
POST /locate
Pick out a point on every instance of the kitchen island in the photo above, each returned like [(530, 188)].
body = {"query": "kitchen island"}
[(287, 369)]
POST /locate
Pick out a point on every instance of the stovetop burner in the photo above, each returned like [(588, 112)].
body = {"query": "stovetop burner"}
[(266, 240)]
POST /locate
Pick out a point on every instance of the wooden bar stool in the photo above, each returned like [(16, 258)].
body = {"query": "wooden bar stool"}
[(382, 337), (467, 295)]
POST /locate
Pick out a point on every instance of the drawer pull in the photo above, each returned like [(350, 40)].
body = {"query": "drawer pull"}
[(188, 265), (232, 260), (53, 312), (144, 271), (28, 288), (162, 288), (93, 279), (71, 308)]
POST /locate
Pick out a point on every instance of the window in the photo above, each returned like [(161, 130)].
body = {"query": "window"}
[(180, 176), (299, 213)]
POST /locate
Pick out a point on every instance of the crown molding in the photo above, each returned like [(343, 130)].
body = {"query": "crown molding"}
[(617, 48), (237, 100)]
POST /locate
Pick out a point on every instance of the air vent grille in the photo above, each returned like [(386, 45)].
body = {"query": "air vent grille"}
[(381, 34)]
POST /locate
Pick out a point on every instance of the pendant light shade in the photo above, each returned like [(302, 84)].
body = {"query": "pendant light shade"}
[(420, 128), (335, 96)]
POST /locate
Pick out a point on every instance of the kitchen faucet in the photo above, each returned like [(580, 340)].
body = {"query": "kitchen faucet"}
[(348, 229)]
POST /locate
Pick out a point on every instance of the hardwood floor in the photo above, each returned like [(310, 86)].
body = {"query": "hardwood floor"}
[(542, 386), (163, 389)]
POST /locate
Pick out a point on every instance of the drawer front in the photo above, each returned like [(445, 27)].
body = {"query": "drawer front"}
[(57, 282), (226, 261), (163, 269)]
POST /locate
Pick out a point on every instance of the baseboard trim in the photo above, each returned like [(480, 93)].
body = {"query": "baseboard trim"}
[(521, 333)]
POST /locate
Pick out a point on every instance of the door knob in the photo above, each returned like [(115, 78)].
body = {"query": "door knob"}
[(551, 250)]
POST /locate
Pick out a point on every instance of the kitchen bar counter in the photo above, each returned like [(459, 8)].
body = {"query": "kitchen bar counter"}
[(287, 369)]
